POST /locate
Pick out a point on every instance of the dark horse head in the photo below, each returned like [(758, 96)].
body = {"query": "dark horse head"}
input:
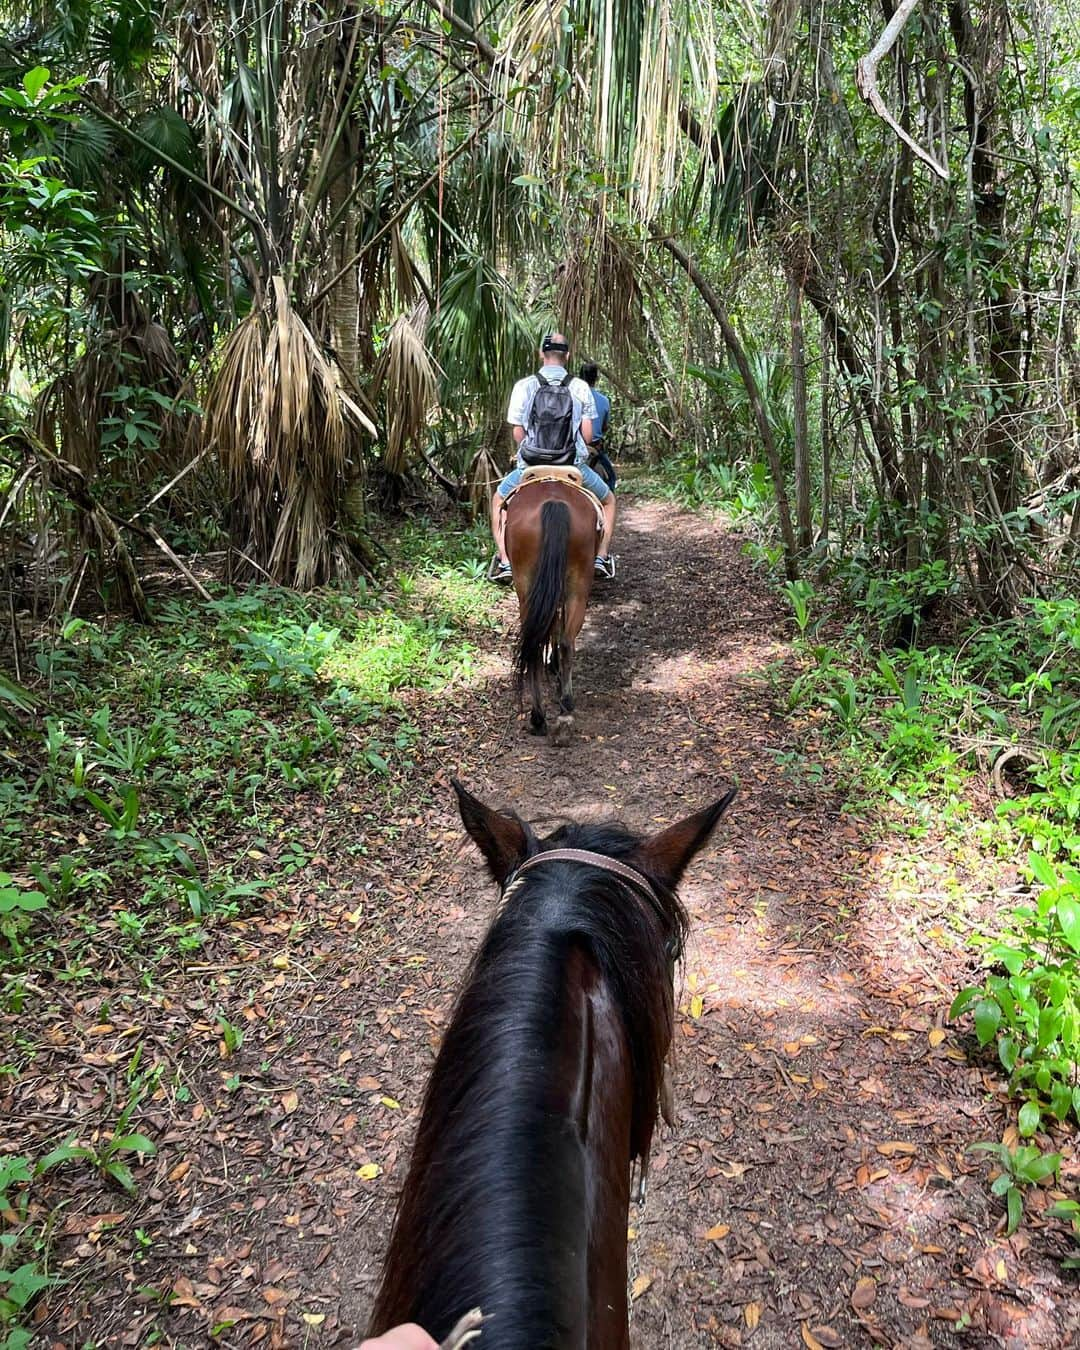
[(546, 1088)]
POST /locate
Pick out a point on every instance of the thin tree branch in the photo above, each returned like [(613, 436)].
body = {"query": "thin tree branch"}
[(866, 83), (468, 32)]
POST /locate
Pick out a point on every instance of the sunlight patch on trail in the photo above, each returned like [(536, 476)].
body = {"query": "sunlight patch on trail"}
[(685, 672)]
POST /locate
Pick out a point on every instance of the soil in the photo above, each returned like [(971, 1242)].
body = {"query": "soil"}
[(817, 1189)]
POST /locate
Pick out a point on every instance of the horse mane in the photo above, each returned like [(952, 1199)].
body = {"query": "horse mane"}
[(495, 1175)]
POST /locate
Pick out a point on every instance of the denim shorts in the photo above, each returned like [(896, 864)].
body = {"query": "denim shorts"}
[(589, 479)]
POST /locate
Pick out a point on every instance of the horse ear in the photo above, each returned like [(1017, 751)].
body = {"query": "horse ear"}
[(666, 855), (502, 839)]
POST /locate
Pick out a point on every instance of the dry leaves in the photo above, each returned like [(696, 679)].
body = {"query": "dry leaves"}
[(640, 1285)]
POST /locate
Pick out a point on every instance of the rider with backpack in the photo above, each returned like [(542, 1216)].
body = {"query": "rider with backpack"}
[(552, 420)]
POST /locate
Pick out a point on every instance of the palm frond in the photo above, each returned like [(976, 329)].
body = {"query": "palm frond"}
[(481, 334), (280, 425), (599, 294), (406, 379)]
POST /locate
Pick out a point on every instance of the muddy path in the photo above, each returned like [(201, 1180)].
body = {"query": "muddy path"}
[(816, 1189)]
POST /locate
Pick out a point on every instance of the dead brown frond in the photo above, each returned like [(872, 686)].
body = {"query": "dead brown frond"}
[(72, 412), (484, 477), (405, 379), (405, 272), (280, 424), (599, 295)]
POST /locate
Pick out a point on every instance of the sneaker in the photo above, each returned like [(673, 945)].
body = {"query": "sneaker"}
[(605, 567), (500, 571)]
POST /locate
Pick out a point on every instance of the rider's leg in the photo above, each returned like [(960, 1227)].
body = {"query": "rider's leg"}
[(609, 525), (498, 525)]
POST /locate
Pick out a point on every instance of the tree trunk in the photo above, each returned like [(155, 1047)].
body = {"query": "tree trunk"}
[(982, 61), (826, 442), (803, 521), (761, 417)]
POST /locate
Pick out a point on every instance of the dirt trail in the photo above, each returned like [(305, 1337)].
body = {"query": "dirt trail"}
[(821, 1135), (816, 1189)]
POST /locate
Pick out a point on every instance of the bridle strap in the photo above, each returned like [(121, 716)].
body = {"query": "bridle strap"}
[(641, 883)]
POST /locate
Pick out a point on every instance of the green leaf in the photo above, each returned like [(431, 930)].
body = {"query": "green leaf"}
[(987, 1019), (1014, 1206), (34, 81), (1042, 1167), (1068, 912), (1041, 869), (121, 1173), (64, 1153), (135, 1143), (964, 999), (1029, 1118)]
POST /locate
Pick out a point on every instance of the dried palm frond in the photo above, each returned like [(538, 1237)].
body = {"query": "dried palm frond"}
[(599, 292), (71, 412), (279, 422), (605, 83), (406, 284), (484, 477), (406, 378)]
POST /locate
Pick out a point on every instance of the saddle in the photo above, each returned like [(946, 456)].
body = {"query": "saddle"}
[(558, 473)]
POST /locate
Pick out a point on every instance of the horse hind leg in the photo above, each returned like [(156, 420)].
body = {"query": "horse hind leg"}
[(564, 722)]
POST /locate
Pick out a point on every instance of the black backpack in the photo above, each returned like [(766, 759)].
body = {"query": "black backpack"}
[(549, 436)]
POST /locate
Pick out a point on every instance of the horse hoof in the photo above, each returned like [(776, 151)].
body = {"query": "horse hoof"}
[(538, 726), (564, 726)]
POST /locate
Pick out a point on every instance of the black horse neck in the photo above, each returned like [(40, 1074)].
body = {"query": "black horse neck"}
[(495, 1210)]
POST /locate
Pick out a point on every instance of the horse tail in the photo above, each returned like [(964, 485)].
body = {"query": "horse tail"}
[(547, 594)]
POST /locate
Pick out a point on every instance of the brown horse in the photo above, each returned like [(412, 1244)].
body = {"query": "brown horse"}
[(551, 537), (545, 1090)]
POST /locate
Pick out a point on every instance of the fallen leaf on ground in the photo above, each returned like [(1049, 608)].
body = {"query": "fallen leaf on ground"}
[(717, 1231), (640, 1285), (864, 1293), (896, 1147)]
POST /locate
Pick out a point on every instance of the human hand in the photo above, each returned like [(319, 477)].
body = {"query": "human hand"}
[(407, 1337)]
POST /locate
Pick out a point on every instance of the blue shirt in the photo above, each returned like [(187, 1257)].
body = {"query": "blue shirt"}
[(603, 412)]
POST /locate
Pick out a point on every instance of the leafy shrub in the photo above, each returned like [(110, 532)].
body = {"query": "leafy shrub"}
[(1024, 1166), (1033, 1010)]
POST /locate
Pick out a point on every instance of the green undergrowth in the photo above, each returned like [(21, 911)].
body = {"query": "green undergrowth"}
[(163, 758), (927, 730), (164, 788)]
